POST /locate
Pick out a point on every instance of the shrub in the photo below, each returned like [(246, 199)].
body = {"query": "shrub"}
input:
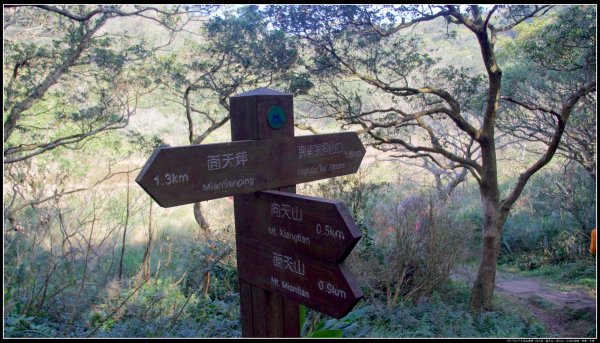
[(445, 313), (551, 222), (413, 251)]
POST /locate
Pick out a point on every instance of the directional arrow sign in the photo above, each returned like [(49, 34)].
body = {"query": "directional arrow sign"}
[(326, 287), (184, 175), (321, 228)]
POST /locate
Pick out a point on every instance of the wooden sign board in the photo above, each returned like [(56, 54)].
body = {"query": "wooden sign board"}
[(326, 287), (289, 247), (318, 227), (183, 175)]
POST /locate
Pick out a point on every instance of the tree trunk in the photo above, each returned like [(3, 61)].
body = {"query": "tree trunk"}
[(204, 226), (483, 287), (200, 217), (124, 231)]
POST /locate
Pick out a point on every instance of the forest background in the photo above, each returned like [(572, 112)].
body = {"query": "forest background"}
[(480, 123)]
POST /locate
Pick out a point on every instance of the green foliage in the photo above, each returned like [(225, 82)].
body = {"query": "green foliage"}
[(199, 261), (557, 41), (244, 36), (444, 314), (94, 82), (540, 302), (298, 84), (552, 222), (546, 61), (145, 144), (466, 85), (20, 326), (396, 262), (579, 314), (580, 273), (237, 51), (329, 328), (159, 304)]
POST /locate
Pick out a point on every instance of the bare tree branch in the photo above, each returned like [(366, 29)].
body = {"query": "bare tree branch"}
[(40, 148), (565, 113), (530, 106), (57, 194)]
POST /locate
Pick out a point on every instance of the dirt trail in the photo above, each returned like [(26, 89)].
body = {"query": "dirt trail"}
[(567, 311)]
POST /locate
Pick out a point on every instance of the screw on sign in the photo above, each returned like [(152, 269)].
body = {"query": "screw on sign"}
[(291, 248)]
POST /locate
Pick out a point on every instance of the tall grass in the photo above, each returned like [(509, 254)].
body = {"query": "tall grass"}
[(61, 267)]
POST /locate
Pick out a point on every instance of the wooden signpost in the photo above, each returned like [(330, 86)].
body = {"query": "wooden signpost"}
[(325, 287), (315, 227), (290, 248), (183, 175)]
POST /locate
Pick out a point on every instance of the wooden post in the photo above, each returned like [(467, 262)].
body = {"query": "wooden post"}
[(274, 276), (256, 115)]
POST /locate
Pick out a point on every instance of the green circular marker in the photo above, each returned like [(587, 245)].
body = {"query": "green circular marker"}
[(276, 117)]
